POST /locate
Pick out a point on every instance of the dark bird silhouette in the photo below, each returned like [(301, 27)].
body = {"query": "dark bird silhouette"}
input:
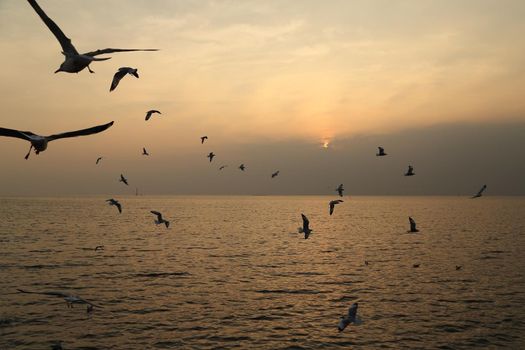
[(116, 203), (39, 143), (222, 167), (306, 227), (333, 204), (74, 62), (381, 152), (480, 192), (242, 167), (416, 266), (70, 299), (340, 190), (123, 179), (150, 112), (98, 160), (410, 171), (351, 317), (203, 138), (275, 174), (57, 346), (121, 73), (210, 155), (412, 225), (458, 267), (99, 247), (144, 152), (160, 220), (366, 262)]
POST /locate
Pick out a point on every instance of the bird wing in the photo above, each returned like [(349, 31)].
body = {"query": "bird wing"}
[(116, 79), (98, 159), (352, 312), (306, 222), (65, 42), (50, 293), (83, 132), (342, 324), (332, 205), (15, 133), (119, 207), (412, 224), (381, 150), (159, 215), (110, 50)]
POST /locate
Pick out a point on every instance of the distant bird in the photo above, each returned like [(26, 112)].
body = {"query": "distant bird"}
[(351, 317), (340, 190), (74, 62), (123, 179), (89, 309), (99, 247), (333, 204), (70, 299), (410, 171), (242, 167), (306, 227), (366, 262), (458, 267), (412, 225), (98, 160), (210, 155), (381, 152), (150, 112), (416, 266), (116, 203), (203, 138), (121, 73), (57, 346), (144, 152), (160, 220), (222, 167), (275, 174), (480, 193), (39, 143)]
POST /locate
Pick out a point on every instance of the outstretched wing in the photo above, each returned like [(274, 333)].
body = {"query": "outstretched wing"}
[(412, 224), (15, 133), (116, 78), (65, 42), (83, 132), (159, 215), (109, 50), (352, 312), (54, 294), (332, 205), (306, 222)]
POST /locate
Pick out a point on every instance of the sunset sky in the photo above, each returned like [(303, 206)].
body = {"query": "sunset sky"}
[(439, 84)]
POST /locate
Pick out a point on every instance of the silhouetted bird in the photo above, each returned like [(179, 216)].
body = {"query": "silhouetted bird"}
[(412, 225), (203, 138), (160, 220), (123, 179), (210, 155), (333, 204), (381, 152), (416, 266), (222, 167), (275, 174), (351, 317), (121, 73), (410, 171), (99, 247), (39, 143), (74, 62), (366, 262), (57, 346), (306, 227), (70, 299), (98, 160), (458, 267), (242, 167), (144, 152), (340, 190), (480, 193), (150, 112), (116, 203)]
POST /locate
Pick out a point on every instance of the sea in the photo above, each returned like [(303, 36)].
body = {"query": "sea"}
[(232, 272)]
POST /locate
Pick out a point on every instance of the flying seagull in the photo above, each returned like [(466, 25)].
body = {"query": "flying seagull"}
[(98, 160), (480, 193), (121, 73), (116, 203), (340, 190), (412, 225), (306, 227), (160, 220), (70, 299), (144, 152), (222, 167), (150, 112), (416, 265), (123, 179), (74, 62), (100, 247), (350, 318), (333, 204), (40, 142), (242, 167), (381, 152), (275, 174), (211, 155), (458, 267), (203, 138), (410, 171)]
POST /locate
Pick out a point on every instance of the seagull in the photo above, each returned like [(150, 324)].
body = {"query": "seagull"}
[(416, 266), (100, 247), (480, 193), (123, 179), (144, 152), (74, 62), (98, 160), (275, 174), (150, 112), (412, 225), (458, 267), (350, 318), (39, 143), (160, 220), (222, 167), (306, 227), (410, 171), (211, 155), (366, 262), (116, 203), (70, 299), (381, 152), (333, 204), (340, 190), (203, 138), (121, 73), (242, 167)]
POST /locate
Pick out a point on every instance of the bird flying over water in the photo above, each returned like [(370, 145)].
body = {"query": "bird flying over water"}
[(412, 225), (74, 62), (306, 227), (70, 299), (480, 192), (340, 190), (150, 112), (275, 174), (210, 155), (222, 167), (410, 171), (351, 317), (39, 143), (98, 160), (203, 138), (121, 73), (381, 152), (123, 179), (160, 220), (144, 152), (242, 167), (116, 203), (333, 204)]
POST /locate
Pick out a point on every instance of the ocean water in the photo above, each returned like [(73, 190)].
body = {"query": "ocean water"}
[(232, 272)]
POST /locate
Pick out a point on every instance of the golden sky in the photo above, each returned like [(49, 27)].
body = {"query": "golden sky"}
[(246, 72)]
